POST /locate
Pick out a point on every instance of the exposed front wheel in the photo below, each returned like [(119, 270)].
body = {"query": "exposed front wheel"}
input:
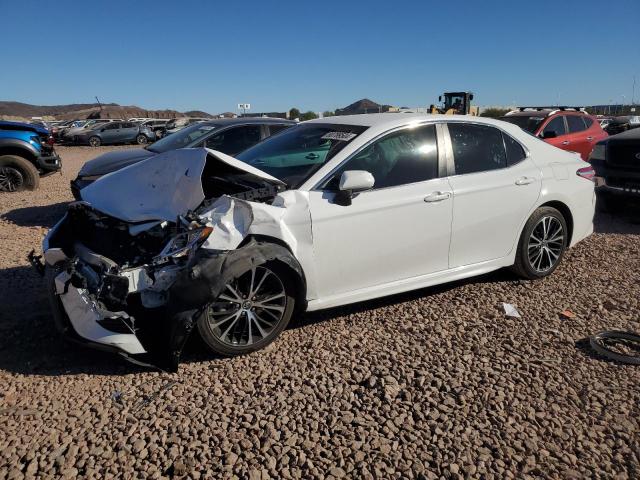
[(142, 139), (252, 310), (542, 244), (17, 173), (95, 141)]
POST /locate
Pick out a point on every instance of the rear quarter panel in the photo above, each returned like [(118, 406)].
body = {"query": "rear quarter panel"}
[(560, 183)]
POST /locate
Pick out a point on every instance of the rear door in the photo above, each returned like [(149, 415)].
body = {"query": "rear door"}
[(578, 136), (495, 185), (128, 132)]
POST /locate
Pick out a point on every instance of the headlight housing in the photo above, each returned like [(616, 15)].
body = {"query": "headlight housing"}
[(182, 244)]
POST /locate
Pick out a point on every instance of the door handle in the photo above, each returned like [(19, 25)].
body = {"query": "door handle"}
[(566, 142), (525, 181), (437, 197), (589, 138), (312, 156)]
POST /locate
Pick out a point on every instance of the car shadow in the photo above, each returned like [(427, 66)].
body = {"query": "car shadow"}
[(626, 221), (39, 216), (31, 345)]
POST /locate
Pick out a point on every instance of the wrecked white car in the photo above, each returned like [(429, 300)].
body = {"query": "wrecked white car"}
[(320, 215)]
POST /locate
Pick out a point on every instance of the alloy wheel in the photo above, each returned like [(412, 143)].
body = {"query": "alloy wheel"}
[(94, 141), (11, 179), (546, 243), (248, 309)]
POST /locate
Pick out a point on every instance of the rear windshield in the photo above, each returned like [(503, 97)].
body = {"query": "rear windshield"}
[(527, 123), (296, 153)]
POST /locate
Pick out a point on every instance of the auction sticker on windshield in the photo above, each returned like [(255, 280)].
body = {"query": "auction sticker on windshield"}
[(343, 136)]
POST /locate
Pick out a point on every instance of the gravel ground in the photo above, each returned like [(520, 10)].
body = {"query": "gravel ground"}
[(434, 383)]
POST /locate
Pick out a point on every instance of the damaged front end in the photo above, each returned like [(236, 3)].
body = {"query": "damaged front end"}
[(118, 299), (131, 271)]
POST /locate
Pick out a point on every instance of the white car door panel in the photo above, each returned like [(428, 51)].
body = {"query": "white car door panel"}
[(398, 230), (489, 207), (384, 235)]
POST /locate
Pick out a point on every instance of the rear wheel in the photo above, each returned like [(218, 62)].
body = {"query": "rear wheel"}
[(252, 310), (542, 244), (95, 141), (17, 173), (142, 139)]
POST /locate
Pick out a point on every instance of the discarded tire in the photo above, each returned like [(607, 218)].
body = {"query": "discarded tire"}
[(599, 344)]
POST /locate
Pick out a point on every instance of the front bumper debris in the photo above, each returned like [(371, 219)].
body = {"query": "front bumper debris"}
[(120, 310)]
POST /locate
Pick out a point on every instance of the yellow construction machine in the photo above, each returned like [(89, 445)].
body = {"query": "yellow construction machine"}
[(456, 103)]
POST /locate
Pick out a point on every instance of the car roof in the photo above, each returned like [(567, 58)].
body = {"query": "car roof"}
[(398, 119), (221, 122)]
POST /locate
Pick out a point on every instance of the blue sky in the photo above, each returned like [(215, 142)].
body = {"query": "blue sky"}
[(317, 55)]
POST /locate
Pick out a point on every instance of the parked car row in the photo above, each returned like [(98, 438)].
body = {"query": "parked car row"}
[(230, 136), (89, 132), (296, 217)]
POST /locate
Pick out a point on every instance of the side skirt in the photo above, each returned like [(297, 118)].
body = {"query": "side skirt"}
[(408, 284)]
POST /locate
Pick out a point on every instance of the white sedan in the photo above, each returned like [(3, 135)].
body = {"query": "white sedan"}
[(329, 212)]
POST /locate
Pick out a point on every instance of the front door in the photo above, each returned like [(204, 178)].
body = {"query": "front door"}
[(397, 230)]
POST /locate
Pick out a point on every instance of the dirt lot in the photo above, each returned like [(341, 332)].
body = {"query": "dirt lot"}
[(427, 384)]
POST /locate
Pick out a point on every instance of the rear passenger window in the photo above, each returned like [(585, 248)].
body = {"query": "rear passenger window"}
[(575, 124), (556, 125), (476, 148), (587, 121), (515, 152)]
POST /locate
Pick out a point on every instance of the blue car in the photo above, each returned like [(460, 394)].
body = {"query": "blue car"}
[(26, 154)]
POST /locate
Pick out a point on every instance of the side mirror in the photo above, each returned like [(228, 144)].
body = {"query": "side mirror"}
[(440, 98), (549, 134), (102, 129), (471, 97), (353, 181)]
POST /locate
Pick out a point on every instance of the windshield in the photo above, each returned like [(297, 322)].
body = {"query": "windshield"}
[(182, 138), (296, 153), (527, 123)]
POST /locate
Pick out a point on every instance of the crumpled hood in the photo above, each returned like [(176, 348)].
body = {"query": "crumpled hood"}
[(112, 161), (161, 187)]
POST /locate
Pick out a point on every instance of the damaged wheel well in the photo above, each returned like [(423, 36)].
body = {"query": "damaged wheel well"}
[(301, 287)]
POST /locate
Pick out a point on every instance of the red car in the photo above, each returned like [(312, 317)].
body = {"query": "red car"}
[(568, 128)]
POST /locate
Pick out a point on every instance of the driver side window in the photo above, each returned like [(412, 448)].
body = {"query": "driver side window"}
[(407, 156)]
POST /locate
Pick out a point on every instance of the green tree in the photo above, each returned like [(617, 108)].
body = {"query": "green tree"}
[(494, 112), (294, 113), (328, 114), (308, 116)]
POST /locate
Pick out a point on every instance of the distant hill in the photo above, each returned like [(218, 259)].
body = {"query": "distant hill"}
[(363, 106), (17, 110)]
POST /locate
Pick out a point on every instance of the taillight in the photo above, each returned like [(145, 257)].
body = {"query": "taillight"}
[(50, 140), (588, 173)]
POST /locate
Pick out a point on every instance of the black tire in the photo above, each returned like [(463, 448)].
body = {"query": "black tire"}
[(22, 170), (212, 336), (95, 141), (527, 268), (142, 139)]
